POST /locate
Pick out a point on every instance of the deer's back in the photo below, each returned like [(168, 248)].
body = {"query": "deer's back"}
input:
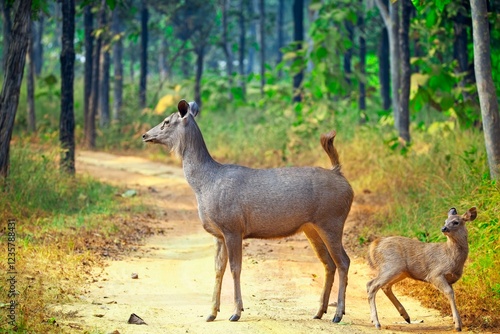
[(267, 203)]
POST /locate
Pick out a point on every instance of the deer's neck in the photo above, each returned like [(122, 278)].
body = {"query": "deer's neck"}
[(458, 246)]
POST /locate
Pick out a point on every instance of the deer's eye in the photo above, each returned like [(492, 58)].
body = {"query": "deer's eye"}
[(165, 123), (455, 223)]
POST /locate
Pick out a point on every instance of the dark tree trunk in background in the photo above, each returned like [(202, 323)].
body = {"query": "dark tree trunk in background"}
[(461, 53), (30, 84), (185, 67), (200, 54), (88, 23), (90, 134), (105, 62), (162, 59), (362, 64), (485, 86), (67, 119), (241, 61), (280, 40), (133, 58), (404, 43), (117, 65), (13, 77), (262, 33), (384, 72), (252, 36), (298, 37), (144, 54), (37, 28), (6, 28), (348, 53), (226, 45)]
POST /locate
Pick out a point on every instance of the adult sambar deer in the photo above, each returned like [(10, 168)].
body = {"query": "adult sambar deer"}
[(440, 264), (236, 202)]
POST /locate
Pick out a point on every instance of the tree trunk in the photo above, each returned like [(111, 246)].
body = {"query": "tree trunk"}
[(118, 65), (393, 30), (348, 53), (362, 64), (200, 54), (404, 103), (144, 54), (90, 134), (30, 84), (298, 36), (460, 50), (252, 36), (226, 45), (37, 28), (485, 87), (241, 62), (262, 33), (7, 27), (384, 72), (67, 119), (104, 87), (13, 77), (88, 23), (131, 68), (162, 59), (280, 40)]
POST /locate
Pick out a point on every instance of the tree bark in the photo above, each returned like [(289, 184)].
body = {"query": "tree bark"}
[(241, 61), (298, 36), (226, 45), (262, 33), (13, 77), (37, 28), (404, 103), (7, 30), (118, 65), (485, 87), (362, 64), (200, 54), (280, 40), (88, 23), (252, 36), (30, 84), (144, 54), (104, 68), (67, 119), (348, 53), (384, 72)]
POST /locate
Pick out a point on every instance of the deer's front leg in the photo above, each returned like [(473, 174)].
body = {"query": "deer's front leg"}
[(220, 268), (443, 285), (234, 251)]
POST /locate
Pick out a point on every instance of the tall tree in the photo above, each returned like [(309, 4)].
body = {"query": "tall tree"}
[(37, 29), (280, 39), (362, 62), (30, 83), (117, 64), (298, 36), (262, 35), (241, 55), (105, 60), (6, 28), (67, 119), (13, 76), (384, 72), (485, 87), (226, 44), (349, 27), (404, 40), (144, 54), (252, 36), (88, 24)]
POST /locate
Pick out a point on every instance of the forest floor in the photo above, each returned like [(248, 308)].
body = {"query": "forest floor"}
[(281, 279)]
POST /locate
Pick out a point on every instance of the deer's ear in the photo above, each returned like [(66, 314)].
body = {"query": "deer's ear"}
[(471, 214), (194, 109), (183, 108), (452, 212)]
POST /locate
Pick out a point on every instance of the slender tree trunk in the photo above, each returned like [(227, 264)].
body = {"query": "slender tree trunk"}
[(404, 103), (67, 119), (348, 53), (252, 36), (460, 50), (298, 36), (262, 33), (6, 28), (280, 40), (162, 59), (362, 64), (200, 54), (88, 23), (104, 87), (13, 77), (131, 67), (384, 72), (485, 86), (30, 84), (144, 54), (241, 62), (117, 65), (90, 134), (38, 45), (226, 45), (393, 30)]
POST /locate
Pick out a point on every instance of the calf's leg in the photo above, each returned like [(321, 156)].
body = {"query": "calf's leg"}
[(220, 268)]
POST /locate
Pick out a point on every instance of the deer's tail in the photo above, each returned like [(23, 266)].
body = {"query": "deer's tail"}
[(327, 143)]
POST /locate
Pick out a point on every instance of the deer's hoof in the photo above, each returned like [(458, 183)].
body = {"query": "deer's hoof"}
[(459, 329), (210, 318), (234, 317), (317, 317), (337, 319)]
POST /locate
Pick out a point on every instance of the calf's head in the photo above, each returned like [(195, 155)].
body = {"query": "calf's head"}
[(456, 222)]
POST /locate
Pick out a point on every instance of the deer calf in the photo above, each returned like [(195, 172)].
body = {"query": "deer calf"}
[(441, 264)]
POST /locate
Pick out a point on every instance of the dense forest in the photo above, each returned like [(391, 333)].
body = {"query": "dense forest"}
[(411, 86)]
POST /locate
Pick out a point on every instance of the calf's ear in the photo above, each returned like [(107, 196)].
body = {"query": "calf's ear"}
[(183, 108), (452, 212)]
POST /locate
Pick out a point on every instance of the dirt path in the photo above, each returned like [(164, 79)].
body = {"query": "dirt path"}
[(281, 279)]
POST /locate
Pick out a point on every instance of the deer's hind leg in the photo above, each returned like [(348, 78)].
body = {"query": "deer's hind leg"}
[(388, 292), (220, 268), (322, 252)]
